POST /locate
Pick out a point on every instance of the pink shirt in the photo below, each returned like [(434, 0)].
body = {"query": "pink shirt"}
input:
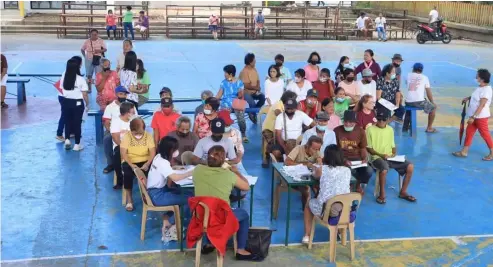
[(111, 20), (311, 74), (110, 84), (350, 88), (213, 20), (89, 46), (334, 121)]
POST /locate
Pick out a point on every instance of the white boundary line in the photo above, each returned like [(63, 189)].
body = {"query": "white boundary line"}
[(460, 65), (453, 238), (17, 66)]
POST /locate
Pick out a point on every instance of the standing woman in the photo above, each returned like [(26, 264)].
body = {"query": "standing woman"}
[(128, 77), (213, 21), (143, 83), (127, 47), (274, 86), (58, 86), (74, 89), (312, 70), (369, 63), (479, 112)]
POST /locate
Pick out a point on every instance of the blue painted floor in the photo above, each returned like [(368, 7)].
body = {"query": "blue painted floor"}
[(58, 203)]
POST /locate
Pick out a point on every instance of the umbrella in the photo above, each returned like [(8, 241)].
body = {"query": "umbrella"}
[(463, 116)]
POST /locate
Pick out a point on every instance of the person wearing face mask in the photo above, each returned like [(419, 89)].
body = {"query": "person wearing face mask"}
[(187, 141), (351, 139), (310, 105), (300, 85), (161, 177), (216, 139), (328, 107), (233, 134), (274, 86), (365, 112), (200, 108), (312, 70), (381, 146), (119, 127), (321, 130), (137, 150), (202, 125), (369, 63), (127, 47), (106, 82), (350, 86), (367, 86), (344, 63), (342, 102), (397, 61), (388, 89), (285, 72), (324, 85), (164, 121)]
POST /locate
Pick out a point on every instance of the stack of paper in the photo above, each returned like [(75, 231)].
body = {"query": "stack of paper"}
[(387, 104), (358, 164), (252, 180), (398, 158), (297, 171)]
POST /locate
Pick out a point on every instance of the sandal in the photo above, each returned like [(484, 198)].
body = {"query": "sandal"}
[(108, 169), (459, 154), (245, 140), (433, 130), (408, 198), (4, 105), (129, 207), (381, 200), (488, 158)]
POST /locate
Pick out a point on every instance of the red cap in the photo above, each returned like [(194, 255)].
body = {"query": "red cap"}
[(225, 116)]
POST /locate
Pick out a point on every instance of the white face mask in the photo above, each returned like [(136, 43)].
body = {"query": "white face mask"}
[(207, 111), (176, 153), (323, 79), (227, 129), (139, 136), (297, 79)]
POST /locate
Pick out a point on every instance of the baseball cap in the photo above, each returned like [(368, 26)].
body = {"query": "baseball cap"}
[(397, 56), (225, 116), (383, 113), (367, 73), (418, 66), (121, 89), (349, 116), (322, 116), (165, 90), (166, 102), (217, 126), (291, 104), (312, 92)]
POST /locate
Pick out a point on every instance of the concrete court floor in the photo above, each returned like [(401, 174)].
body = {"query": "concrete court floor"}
[(71, 210)]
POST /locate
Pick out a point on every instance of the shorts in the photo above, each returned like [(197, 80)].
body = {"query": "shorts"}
[(90, 68), (4, 80), (426, 105), (385, 165), (111, 27), (213, 28), (257, 29)]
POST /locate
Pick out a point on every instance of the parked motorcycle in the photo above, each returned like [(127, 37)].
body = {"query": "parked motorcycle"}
[(427, 33)]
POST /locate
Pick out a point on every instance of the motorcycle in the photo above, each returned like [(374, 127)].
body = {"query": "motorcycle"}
[(427, 33)]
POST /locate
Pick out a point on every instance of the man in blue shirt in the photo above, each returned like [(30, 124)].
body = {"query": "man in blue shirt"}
[(259, 20)]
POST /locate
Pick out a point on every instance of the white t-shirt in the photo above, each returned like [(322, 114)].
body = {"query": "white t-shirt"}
[(112, 111), (294, 126), (368, 89), (119, 126), (274, 90), (416, 85), (434, 15), (300, 92), (159, 172), (128, 78), (480, 92), (379, 22), (360, 22), (79, 87)]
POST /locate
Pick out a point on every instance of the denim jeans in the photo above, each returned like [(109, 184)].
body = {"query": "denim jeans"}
[(250, 99), (91, 69), (242, 234), (171, 196), (108, 148), (61, 121), (381, 33), (128, 26)]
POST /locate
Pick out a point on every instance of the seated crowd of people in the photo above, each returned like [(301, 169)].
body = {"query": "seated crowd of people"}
[(337, 127)]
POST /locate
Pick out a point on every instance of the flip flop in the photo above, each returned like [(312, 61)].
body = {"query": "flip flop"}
[(381, 200), (245, 140), (408, 198), (432, 131), (129, 207), (459, 154), (488, 158)]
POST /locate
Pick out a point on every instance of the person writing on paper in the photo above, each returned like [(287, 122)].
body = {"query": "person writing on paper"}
[(214, 181), (351, 139), (335, 178), (381, 146), (321, 130), (161, 177)]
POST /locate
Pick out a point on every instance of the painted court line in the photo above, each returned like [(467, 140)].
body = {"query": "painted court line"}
[(16, 67), (274, 245), (460, 65)]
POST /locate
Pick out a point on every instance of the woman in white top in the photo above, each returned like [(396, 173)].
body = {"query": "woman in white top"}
[(127, 47), (300, 85), (74, 89), (335, 178), (160, 186), (128, 77), (274, 86), (479, 113)]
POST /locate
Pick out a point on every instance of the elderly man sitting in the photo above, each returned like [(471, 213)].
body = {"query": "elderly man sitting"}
[(321, 130)]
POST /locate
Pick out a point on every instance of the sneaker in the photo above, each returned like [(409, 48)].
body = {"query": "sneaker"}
[(78, 147), (68, 145), (305, 240), (60, 138)]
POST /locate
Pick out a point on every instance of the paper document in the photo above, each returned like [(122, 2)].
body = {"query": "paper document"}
[(398, 158), (297, 171), (252, 180), (387, 104), (358, 164)]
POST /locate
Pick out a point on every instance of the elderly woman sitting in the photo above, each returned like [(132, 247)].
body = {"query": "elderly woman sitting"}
[(137, 150)]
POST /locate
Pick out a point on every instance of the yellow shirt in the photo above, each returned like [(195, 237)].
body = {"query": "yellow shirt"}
[(137, 150), (270, 118), (380, 139)]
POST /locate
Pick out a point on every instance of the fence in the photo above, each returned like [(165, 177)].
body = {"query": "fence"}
[(467, 13)]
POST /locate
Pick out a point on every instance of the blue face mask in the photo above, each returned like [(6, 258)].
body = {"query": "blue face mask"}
[(227, 129), (348, 129), (321, 128), (348, 66), (392, 76), (340, 99), (203, 102)]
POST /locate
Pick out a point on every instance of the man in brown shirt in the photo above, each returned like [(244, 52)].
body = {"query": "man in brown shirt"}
[(249, 77), (351, 139), (186, 140), (4, 80)]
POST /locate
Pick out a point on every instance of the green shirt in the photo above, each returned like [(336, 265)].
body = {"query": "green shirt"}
[(380, 139), (128, 16), (339, 108), (145, 80), (213, 182)]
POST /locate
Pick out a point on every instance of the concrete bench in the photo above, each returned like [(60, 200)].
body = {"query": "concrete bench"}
[(411, 112), (21, 88)]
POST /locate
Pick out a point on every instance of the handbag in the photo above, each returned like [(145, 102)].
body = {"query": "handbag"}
[(239, 104), (95, 59), (259, 240)]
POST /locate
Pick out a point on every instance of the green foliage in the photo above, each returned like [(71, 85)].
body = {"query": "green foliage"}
[(363, 4), (274, 3)]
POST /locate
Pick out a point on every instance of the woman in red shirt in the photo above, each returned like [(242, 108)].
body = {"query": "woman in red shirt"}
[(324, 85), (110, 24), (310, 106), (365, 116)]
